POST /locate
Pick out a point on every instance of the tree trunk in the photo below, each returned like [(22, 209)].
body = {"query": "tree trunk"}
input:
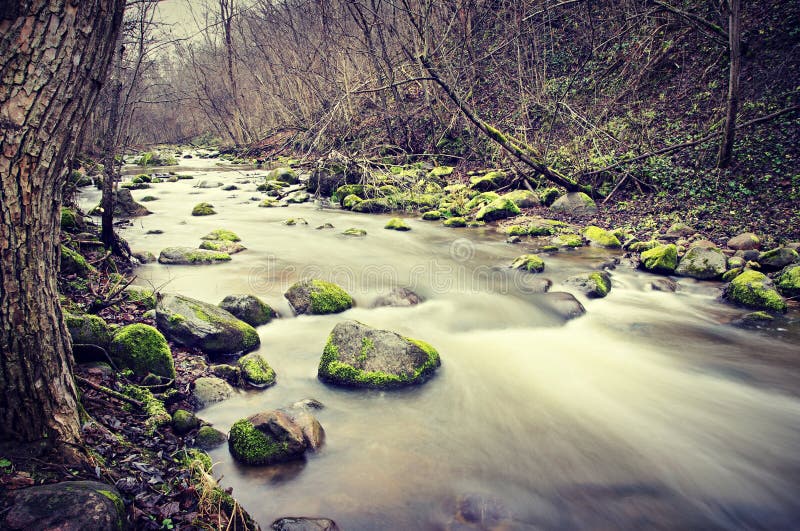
[(109, 157), (734, 36), (53, 59)]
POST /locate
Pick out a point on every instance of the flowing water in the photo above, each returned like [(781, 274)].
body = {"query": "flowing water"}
[(648, 412)]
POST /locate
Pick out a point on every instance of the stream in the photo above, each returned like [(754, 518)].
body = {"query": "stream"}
[(649, 412)]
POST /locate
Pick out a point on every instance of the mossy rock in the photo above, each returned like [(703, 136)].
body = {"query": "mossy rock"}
[(291, 222), (191, 256), (193, 323), (184, 421), (256, 371), (639, 247), (271, 202), (745, 241), (222, 246), (776, 259), (73, 263), (358, 233), (358, 190), (318, 297), (516, 230), (148, 199), (203, 209), (287, 175), (528, 262), (350, 201), (208, 438), (143, 349), (266, 438), (397, 224), (481, 200), (660, 259), (441, 171), (594, 285), (522, 198), (70, 221), (568, 240), (456, 222), (575, 204), (730, 274), (249, 309), (601, 237), (222, 235), (142, 178), (789, 281), (144, 296), (373, 206), (702, 263), (498, 209), (432, 215), (87, 330), (489, 181), (209, 390), (298, 197), (357, 355), (134, 186), (548, 196), (753, 289)]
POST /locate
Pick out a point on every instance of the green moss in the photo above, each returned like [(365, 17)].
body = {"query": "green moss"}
[(69, 219), (660, 259), (295, 221), (397, 224), (222, 235), (548, 196), (481, 200), (488, 181), (73, 263), (203, 209), (327, 297), (498, 209), (208, 437), (638, 247), (207, 256), (789, 281), (251, 446), (176, 318), (355, 232), (143, 349), (269, 202), (256, 370), (119, 506), (88, 329), (366, 346), (602, 284), (568, 240), (528, 262), (455, 222), (732, 273), (441, 171), (432, 215), (754, 290), (145, 297), (358, 190), (153, 407), (184, 421), (192, 457), (350, 201), (522, 198), (601, 237)]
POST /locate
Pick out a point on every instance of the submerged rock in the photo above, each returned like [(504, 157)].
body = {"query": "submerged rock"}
[(564, 304), (398, 297), (191, 256), (194, 323), (528, 262), (358, 355), (755, 290), (69, 505), (594, 285), (249, 309), (318, 297), (664, 284), (575, 203), (702, 263), (302, 523)]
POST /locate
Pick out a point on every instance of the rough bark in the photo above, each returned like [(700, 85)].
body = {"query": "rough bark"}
[(53, 59), (109, 153), (734, 35)]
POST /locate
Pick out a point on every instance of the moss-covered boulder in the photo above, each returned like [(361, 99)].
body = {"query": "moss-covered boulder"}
[(776, 259), (354, 232), (203, 209), (575, 204), (140, 295), (193, 323), (601, 237), (702, 263), (208, 438), (143, 349), (373, 206), (184, 421), (432, 215), (640, 247), (73, 263), (357, 355), (287, 175), (745, 241), (351, 201), (249, 309), (88, 329), (222, 246), (788, 281), (548, 196), (456, 222), (522, 198), (256, 371), (70, 220), (660, 259), (481, 200), (528, 262), (498, 209), (397, 224), (756, 290), (222, 235), (567, 240), (358, 190), (271, 202), (69, 505), (209, 390), (191, 256), (297, 197), (144, 257), (489, 181), (267, 438), (318, 297), (594, 285)]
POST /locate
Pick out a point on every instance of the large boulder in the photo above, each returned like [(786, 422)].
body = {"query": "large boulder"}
[(660, 259), (286, 175), (357, 355), (143, 349), (575, 204), (522, 198), (745, 241), (249, 309), (274, 436), (194, 323), (126, 207), (601, 237), (498, 209), (210, 390), (756, 290), (222, 246), (789, 281), (191, 256), (594, 285), (66, 506), (318, 297), (778, 258), (489, 181), (702, 263), (87, 329)]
